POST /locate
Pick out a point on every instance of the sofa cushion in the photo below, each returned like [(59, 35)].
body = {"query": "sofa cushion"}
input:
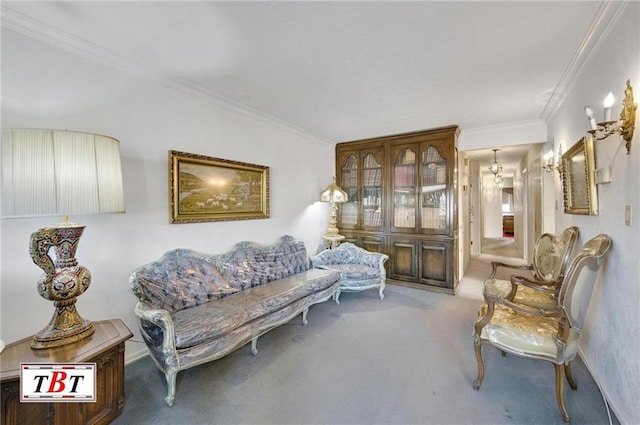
[(264, 299), (182, 279), (205, 322), (354, 271)]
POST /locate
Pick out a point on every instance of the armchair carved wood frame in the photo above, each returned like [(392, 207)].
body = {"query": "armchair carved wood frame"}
[(550, 334), (551, 255)]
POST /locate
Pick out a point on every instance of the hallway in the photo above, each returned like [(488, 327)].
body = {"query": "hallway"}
[(479, 268)]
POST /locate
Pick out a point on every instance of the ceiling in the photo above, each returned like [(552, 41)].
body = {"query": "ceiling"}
[(340, 70)]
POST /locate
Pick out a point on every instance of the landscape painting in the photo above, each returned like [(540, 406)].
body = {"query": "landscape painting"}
[(204, 188)]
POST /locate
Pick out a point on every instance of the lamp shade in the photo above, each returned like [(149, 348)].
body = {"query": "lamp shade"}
[(333, 193), (59, 172)]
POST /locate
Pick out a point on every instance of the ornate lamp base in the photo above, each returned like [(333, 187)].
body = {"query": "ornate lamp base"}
[(66, 326), (62, 282)]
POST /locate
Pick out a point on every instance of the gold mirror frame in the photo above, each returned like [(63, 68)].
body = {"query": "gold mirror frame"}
[(578, 178)]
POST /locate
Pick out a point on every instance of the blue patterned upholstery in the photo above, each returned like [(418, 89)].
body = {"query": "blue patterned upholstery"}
[(359, 269), (195, 308)]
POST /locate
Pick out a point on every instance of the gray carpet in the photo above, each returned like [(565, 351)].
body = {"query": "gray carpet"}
[(407, 359)]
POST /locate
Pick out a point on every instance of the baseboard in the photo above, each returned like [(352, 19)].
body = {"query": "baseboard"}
[(135, 356), (612, 405)]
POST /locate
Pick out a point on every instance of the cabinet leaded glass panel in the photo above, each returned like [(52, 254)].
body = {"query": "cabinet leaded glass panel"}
[(404, 190), (349, 183), (434, 190), (372, 191)]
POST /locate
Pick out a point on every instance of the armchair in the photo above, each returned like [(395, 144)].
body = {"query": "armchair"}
[(359, 269), (550, 257), (545, 334)]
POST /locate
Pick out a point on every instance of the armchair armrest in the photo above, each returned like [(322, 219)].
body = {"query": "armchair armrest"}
[(496, 264), (374, 259), (493, 300), (537, 285), (163, 320)]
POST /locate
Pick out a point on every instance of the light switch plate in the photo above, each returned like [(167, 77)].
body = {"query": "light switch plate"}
[(627, 215)]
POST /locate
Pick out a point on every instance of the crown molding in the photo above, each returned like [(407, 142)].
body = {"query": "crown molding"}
[(46, 33), (601, 25)]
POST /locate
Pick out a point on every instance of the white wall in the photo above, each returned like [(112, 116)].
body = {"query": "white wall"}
[(491, 207), (611, 338), (44, 86)]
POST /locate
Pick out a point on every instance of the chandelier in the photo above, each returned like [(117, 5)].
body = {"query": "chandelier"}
[(496, 167)]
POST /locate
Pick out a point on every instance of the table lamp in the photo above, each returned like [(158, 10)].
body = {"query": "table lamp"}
[(60, 172), (334, 195)]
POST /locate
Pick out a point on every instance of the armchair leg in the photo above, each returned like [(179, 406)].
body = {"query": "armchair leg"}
[(254, 346), (560, 391), (381, 289), (567, 373), (477, 346), (171, 387), (336, 296)]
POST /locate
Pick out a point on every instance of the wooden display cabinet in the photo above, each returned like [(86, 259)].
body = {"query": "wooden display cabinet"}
[(105, 348), (414, 203)]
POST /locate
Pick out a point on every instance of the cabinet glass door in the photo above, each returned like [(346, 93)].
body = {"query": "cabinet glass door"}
[(349, 183), (433, 192), (371, 191), (404, 190)]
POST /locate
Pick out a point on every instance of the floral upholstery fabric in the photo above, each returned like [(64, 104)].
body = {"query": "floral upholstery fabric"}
[(184, 278), (359, 269), (355, 271), (195, 308), (210, 320), (250, 265), (180, 279), (531, 297)]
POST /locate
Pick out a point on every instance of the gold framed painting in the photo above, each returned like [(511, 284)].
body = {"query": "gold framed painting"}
[(578, 178), (203, 188)]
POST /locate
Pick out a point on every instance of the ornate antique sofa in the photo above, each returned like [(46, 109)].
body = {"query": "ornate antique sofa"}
[(359, 269), (195, 308)]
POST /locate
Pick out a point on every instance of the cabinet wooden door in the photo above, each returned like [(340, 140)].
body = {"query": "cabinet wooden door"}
[(403, 259), (435, 263), (402, 202), (371, 243), (435, 192), (404, 184), (361, 176)]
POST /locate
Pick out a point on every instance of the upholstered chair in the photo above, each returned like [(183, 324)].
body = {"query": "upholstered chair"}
[(550, 257), (550, 334), (359, 269)]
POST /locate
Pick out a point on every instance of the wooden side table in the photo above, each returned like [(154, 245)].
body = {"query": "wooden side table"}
[(105, 347)]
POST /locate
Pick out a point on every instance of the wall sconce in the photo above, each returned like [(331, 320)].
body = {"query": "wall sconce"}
[(548, 163), (551, 164), (624, 126)]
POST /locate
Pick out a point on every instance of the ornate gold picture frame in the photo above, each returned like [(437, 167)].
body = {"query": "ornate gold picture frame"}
[(578, 178), (203, 188)]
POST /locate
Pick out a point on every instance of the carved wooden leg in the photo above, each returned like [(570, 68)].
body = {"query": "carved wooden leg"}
[(171, 387), (477, 346), (254, 344), (336, 297), (567, 373), (304, 315), (560, 391), (381, 289)]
